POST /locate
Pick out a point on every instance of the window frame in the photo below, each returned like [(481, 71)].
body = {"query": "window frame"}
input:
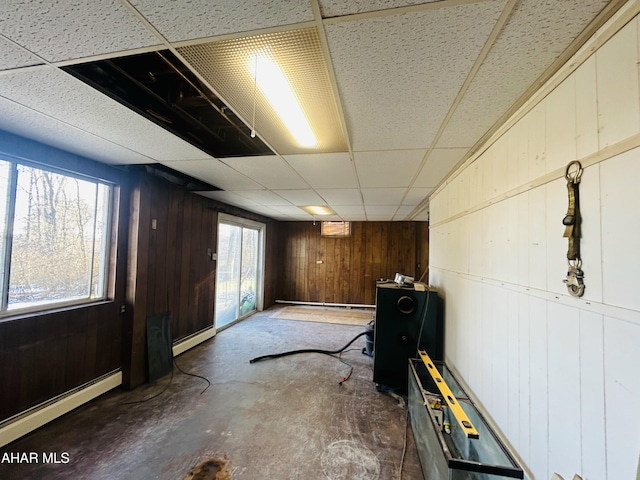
[(106, 276)]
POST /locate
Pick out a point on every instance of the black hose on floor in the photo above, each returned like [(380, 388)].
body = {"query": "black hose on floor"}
[(307, 350)]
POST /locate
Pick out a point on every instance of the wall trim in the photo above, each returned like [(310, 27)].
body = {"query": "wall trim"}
[(193, 340), (592, 306), (44, 413)]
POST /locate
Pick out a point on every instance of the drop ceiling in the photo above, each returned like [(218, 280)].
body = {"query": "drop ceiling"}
[(406, 88)]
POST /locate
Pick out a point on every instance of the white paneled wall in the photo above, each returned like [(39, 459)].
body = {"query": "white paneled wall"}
[(557, 374)]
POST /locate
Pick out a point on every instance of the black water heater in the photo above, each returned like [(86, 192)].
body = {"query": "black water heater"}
[(406, 320)]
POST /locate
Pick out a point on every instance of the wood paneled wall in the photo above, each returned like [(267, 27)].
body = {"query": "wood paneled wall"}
[(169, 269), (344, 270)]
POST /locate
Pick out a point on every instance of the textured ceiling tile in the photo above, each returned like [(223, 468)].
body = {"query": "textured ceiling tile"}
[(402, 212), (350, 211), (376, 210), (338, 8), (264, 197), (387, 169), (383, 196), (438, 166), (203, 18), (398, 75), (30, 124), (12, 56), (59, 95), (230, 198), (324, 170), (294, 213), (535, 35), (416, 195), (64, 30), (216, 173), (340, 196), (271, 171), (301, 197)]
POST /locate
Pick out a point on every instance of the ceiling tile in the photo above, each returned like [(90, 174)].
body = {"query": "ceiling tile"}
[(324, 170), (387, 168), (438, 166), (416, 195), (301, 197), (377, 213), (349, 211), (336, 8), (535, 35), (230, 198), (28, 123), (203, 18), (270, 171), (293, 212), (73, 29), (216, 173), (264, 197), (383, 196), (12, 56), (347, 196), (408, 70), (79, 105), (402, 212)]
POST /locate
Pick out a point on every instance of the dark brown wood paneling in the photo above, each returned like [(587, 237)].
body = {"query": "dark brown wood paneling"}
[(350, 265)]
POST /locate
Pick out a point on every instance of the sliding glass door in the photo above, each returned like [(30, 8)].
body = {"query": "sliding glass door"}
[(239, 269)]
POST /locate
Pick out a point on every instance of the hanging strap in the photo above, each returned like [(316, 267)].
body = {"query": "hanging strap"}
[(572, 221)]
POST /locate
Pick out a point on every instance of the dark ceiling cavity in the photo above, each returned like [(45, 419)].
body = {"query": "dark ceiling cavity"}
[(161, 88)]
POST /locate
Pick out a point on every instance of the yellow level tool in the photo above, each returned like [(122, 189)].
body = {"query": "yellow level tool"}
[(462, 418)]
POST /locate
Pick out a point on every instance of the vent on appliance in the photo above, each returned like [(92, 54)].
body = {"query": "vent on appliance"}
[(160, 88)]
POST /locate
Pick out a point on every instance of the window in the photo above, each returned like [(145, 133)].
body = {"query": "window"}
[(335, 229), (54, 232)]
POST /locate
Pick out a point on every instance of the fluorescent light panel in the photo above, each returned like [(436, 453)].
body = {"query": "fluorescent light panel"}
[(318, 209), (276, 88), (228, 66)]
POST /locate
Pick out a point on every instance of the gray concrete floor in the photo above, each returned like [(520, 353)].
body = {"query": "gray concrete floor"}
[(286, 418)]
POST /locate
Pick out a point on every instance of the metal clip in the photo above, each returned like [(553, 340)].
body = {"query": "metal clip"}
[(574, 280)]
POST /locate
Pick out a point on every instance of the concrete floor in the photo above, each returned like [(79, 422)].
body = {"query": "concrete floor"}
[(286, 418)]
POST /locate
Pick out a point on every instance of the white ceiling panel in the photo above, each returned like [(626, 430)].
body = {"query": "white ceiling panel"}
[(402, 212), (398, 87), (230, 198), (64, 30), (216, 173), (264, 197), (324, 170), (380, 212), (349, 211), (337, 8), (416, 195), (13, 56), (294, 213), (77, 104), (535, 35), (341, 196), (438, 165), (383, 196), (23, 121), (272, 172), (301, 197), (202, 18), (387, 168)]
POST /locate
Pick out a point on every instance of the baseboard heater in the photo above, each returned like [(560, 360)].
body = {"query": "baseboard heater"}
[(191, 341), (29, 420)]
